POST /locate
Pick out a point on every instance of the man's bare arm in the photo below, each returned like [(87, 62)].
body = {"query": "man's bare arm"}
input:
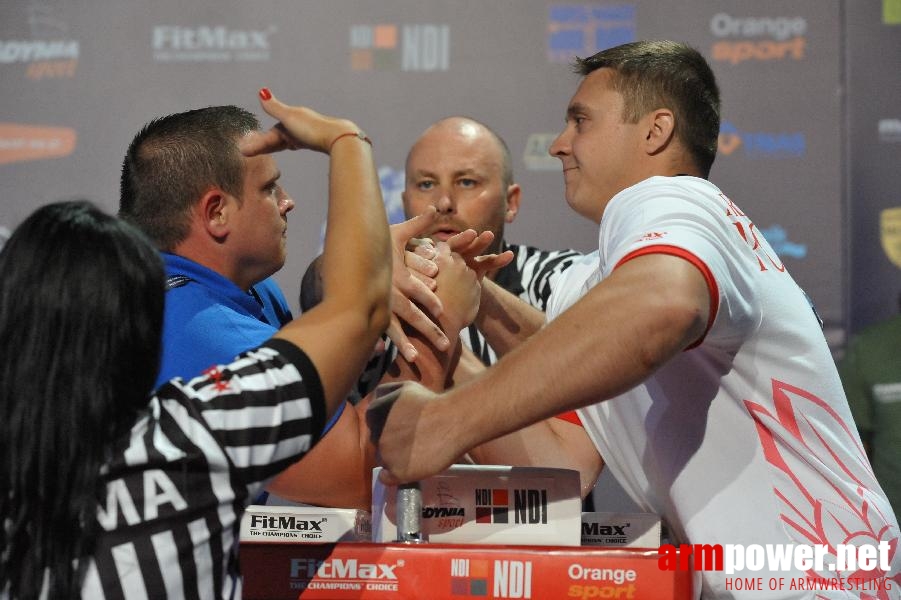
[(505, 319), (549, 443), (340, 332), (341, 463), (553, 442), (643, 314)]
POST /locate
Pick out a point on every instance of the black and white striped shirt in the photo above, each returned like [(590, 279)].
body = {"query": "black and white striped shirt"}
[(177, 486), (531, 276)]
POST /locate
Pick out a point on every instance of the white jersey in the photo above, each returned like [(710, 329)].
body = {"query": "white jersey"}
[(746, 438)]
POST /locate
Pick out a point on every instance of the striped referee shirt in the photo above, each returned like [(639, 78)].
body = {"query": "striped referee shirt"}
[(177, 486), (531, 276)]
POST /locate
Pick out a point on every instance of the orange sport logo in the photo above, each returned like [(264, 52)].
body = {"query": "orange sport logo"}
[(742, 39), (19, 143)]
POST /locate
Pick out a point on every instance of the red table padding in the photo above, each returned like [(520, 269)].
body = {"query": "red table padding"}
[(275, 571)]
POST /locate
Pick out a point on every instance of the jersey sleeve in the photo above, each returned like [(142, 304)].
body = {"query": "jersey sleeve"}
[(570, 416), (698, 226), (266, 409), (582, 275)]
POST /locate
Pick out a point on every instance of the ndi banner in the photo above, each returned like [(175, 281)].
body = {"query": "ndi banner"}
[(80, 78)]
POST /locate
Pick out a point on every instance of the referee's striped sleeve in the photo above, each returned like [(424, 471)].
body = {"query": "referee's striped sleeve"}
[(539, 271), (266, 409)]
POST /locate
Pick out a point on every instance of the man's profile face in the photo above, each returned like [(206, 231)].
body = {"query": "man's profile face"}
[(260, 234), (598, 150), (457, 167)]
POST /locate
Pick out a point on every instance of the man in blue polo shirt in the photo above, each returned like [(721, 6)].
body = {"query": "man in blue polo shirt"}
[(219, 219)]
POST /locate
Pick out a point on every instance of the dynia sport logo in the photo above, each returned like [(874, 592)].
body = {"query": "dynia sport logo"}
[(45, 59)]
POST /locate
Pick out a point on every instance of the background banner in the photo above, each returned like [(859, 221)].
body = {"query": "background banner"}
[(810, 145)]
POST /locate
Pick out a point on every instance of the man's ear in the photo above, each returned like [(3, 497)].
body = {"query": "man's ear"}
[(514, 195), (215, 207), (660, 131)]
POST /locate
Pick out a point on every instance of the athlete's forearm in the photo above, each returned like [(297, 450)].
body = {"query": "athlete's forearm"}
[(504, 319), (611, 340)]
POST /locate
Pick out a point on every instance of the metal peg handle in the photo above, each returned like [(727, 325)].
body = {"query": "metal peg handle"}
[(409, 513)]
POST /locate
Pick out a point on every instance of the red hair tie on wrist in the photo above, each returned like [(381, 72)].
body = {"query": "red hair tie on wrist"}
[(357, 134)]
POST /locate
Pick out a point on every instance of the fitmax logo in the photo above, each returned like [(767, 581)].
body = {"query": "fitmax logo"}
[(307, 568), (598, 529), (211, 44), (285, 522)]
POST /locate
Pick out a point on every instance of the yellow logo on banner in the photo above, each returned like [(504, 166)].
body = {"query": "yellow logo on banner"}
[(890, 227), (891, 12)]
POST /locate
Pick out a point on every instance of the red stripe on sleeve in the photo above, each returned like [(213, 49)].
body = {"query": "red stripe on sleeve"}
[(571, 417), (697, 262)]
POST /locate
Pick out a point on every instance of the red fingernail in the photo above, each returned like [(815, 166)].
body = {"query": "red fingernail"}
[(265, 94)]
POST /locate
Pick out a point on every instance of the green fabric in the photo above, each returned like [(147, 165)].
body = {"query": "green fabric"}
[(871, 376)]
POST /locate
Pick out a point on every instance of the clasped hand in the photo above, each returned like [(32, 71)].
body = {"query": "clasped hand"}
[(430, 292)]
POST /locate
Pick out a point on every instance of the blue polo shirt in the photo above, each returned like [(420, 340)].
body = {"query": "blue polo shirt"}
[(208, 320)]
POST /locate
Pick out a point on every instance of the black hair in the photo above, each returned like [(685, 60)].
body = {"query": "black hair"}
[(81, 311), (174, 160), (658, 74)]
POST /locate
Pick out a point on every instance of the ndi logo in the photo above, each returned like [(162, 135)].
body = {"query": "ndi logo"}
[(509, 578), (585, 29), (512, 579), (529, 506), (492, 505), (469, 577), (210, 44), (389, 47)]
